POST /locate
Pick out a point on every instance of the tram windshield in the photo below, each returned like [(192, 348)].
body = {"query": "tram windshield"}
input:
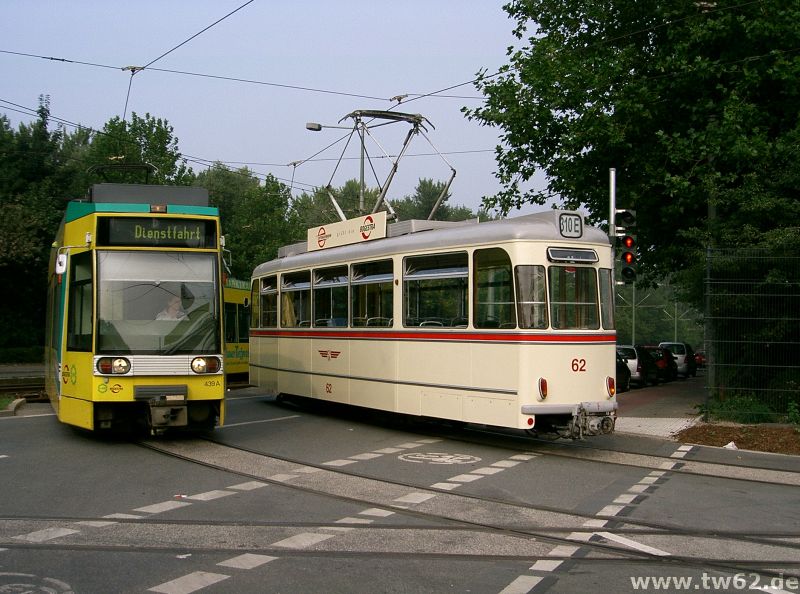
[(157, 303)]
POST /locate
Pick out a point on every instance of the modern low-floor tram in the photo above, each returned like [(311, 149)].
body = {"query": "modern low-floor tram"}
[(134, 328), (507, 323)]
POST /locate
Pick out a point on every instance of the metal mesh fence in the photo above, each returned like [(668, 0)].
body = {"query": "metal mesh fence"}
[(752, 335)]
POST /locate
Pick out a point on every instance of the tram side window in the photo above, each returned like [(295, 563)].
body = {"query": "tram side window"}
[(269, 302), (243, 318), (255, 305), (230, 322), (330, 296), (573, 298), (607, 298), (79, 319), (493, 290), (296, 300), (435, 290), (372, 294), (531, 297)]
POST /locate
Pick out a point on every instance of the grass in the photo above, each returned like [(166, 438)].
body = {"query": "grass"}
[(5, 401)]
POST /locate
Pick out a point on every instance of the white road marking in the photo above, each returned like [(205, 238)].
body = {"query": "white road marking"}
[(282, 478), (248, 486), (300, 541), (377, 512), (189, 583), (465, 478), (487, 470), (123, 517), (505, 464), (388, 451), (350, 520), (633, 544), (445, 486), (367, 456), (415, 497), (209, 495), (339, 462), (95, 523), (157, 508), (46, 534), (226, 425), (247, 561), (522, 585)]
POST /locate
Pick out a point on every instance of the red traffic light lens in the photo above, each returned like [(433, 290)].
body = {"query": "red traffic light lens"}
[(628, 242), (628, 258)]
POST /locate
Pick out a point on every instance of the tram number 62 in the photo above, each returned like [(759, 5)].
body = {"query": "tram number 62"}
[(578, 365)]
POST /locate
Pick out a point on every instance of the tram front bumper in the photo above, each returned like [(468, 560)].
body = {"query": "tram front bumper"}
[(586, 418)]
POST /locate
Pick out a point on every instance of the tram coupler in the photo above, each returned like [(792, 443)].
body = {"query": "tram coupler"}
[(592, 418), (166, 414), (167, 406)]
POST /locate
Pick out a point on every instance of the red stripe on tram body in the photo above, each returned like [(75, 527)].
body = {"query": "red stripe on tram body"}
[(434, 336)]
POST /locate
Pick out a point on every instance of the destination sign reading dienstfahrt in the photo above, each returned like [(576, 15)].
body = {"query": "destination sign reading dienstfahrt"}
[(156, 232)]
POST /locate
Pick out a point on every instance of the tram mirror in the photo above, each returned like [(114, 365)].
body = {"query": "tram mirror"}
[(61, 263), (246, 302)]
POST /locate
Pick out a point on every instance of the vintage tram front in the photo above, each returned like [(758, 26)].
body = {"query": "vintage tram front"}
[(134, 320)]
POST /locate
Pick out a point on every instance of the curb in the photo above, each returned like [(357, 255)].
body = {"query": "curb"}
[(11, 409)]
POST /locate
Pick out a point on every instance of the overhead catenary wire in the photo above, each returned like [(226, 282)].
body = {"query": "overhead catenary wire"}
[(136, 69)]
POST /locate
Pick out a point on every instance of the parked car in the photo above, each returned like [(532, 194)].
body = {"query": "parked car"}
[(665, 362), (700, 359), (623, 375), (641, 365), (684, 357)]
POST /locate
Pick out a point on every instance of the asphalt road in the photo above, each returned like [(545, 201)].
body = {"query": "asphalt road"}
[(322, 498)]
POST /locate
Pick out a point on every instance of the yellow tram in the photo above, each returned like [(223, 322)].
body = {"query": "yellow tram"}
[(237, 328), (134, 331)]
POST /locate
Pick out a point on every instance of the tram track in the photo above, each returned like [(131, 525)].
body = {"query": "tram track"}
[(466, 511), (521, 442)]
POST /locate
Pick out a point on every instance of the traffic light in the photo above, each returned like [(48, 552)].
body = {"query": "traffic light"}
[(626, 241)]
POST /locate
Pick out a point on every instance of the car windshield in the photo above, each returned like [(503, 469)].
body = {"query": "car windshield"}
[(675, 347), (627, 352), (157, 303)]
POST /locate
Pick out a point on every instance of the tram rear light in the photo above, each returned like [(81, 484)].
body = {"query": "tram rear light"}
[(611, 386), (158, 208), (113, 366), (542, 388), (206, 364)]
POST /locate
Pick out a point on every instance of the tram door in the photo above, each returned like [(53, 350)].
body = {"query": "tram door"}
[(75, 403)]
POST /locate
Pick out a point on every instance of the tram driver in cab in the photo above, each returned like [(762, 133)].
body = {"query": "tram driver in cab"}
[(173, 309)]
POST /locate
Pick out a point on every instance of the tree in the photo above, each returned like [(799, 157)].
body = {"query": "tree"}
[(694, 103), (142, 140), (253, 215), (28, 170), (420, 204)]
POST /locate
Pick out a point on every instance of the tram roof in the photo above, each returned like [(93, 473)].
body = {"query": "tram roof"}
[(423, 235), (148, 194), (138, 198)]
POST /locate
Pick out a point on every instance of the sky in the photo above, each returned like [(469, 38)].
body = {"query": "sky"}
[(310, 60)]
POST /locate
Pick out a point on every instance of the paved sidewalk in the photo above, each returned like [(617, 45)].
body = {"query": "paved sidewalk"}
[(663, 410)]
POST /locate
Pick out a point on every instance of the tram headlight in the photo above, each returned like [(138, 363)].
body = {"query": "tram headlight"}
[(113, 365), (206, 364)]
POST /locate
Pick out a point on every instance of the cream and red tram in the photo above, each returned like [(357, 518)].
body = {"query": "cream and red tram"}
[(506, 323)]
